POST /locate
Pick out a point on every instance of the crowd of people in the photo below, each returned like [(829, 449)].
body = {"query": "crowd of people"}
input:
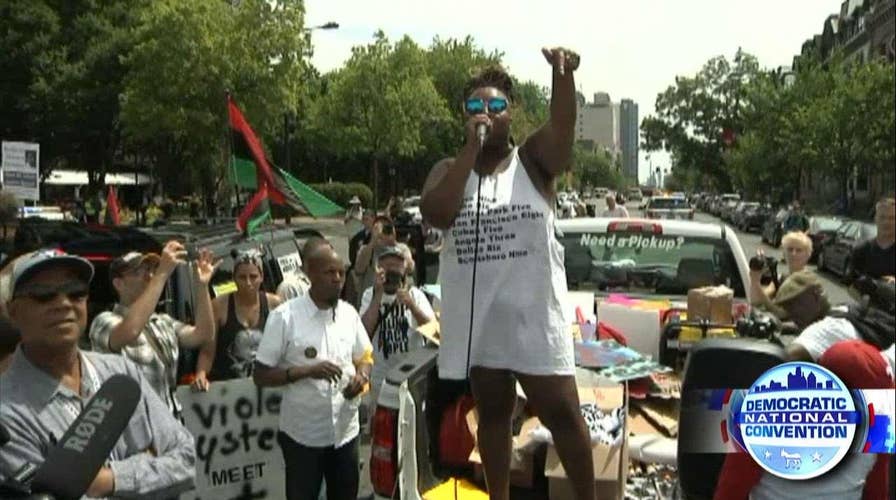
[(328, 365)]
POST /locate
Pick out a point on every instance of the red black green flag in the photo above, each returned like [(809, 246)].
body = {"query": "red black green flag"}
[(272, 186)]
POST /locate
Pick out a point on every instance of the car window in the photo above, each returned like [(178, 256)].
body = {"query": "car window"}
[(668, 203), (869, 231), (647, 264), (844, 229)]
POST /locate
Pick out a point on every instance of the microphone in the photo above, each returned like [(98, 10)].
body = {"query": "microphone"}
[(481, 132), (76, 459), (4, 435)]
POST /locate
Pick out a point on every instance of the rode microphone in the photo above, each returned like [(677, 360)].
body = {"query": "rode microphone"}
[(74, 462), (481, 132), (4, 435)]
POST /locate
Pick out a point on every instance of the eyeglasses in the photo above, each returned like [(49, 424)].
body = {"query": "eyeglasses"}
[(76, 291), (476, 105)]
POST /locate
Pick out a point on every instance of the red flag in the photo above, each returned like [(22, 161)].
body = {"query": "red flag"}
[(255, 212), (265, 175), (113, 217)]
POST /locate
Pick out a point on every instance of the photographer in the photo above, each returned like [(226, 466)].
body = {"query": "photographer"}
[(764, 279), (391, 313), (383, 237)]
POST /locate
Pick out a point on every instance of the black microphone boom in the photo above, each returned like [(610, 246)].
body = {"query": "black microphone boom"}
[(73, 463)]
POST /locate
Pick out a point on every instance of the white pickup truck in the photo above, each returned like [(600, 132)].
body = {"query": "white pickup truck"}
[(640, 258)]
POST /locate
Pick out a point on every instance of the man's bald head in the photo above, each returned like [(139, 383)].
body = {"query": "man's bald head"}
[(326, 271)]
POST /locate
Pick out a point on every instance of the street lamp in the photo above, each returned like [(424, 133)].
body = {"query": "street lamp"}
[(289, 122)]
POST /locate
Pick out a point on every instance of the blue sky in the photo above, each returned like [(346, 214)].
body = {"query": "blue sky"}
[(629, 48)]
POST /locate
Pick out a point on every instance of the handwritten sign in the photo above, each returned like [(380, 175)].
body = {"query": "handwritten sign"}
[(235, 425)]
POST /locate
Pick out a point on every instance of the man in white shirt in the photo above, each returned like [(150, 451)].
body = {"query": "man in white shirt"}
[(614, 210), (391, 312), (317, 346)]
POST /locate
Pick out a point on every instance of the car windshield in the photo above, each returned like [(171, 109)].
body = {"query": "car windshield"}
[(648, 264), (668, 203)]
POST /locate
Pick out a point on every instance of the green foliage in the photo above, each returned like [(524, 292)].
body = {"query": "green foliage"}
[(834, 122), (187, 56), (593, 169), (692, 115), (340, 193)]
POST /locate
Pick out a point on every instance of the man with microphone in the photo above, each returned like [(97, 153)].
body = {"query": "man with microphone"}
[(50, 380)]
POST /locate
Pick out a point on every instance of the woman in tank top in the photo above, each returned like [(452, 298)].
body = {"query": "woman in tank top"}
[(240, 319), (502, 273)]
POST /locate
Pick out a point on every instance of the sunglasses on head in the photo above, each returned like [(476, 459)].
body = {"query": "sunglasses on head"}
[(476, 105), (76, 291)]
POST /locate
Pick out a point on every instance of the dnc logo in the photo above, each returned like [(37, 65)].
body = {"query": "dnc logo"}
[(797, 421)]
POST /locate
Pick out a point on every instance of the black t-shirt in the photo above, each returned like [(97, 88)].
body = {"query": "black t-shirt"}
[(869, 259)]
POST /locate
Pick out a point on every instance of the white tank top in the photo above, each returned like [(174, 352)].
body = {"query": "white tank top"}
[(517, 319)]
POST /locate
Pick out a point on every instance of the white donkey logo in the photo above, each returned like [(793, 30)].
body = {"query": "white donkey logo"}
[(791, 460)]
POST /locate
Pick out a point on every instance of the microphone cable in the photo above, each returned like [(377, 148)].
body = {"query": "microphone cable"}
[(475, 260)]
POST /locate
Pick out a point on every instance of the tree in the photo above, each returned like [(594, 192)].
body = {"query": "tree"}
[(699, 117), (593, 169), (380, 103), (187, 56), (67, 58)]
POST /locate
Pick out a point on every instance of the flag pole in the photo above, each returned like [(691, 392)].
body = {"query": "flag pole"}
[(229, 138)]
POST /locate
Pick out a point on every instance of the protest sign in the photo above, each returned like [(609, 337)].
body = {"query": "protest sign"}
[(235, 426), (21, 169)]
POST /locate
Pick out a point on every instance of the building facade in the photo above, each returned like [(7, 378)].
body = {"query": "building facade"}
[(597, 124), (629, 138)]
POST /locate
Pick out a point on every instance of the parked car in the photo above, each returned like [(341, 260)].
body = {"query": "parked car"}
[(821, 229), (836, 254), (772, 231), (727, 208), (754, 218), (406, 444), (669, 207), (741, 211)]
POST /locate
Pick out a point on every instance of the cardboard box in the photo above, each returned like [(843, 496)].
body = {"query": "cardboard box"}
[(712, 303), (522, 458), (610, 463)]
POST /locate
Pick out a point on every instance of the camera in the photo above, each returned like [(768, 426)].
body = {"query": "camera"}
[(758, 325), (394, 280), (768, 266)]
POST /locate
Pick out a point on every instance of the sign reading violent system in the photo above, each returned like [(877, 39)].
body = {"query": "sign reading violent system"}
[(235, 425), (21, 169)]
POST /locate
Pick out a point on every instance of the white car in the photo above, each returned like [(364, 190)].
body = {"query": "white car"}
[(653, 259), (669, 207)]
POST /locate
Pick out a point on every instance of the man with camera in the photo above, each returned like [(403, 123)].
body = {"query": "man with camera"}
[(149, 339), (383, 237), (391, 313), (764, 277)]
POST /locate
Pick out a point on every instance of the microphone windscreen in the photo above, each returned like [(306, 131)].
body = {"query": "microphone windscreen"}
[(76, 459), (4, 435)]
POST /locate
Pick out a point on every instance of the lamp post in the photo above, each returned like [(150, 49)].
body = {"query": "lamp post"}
[(289, 120)]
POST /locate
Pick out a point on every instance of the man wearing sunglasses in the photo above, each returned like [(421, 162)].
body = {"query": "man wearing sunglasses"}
[(502, 274), (133, 328), (50, 379)]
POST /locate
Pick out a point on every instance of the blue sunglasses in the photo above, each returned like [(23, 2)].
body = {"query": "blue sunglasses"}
[(476, 105)]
